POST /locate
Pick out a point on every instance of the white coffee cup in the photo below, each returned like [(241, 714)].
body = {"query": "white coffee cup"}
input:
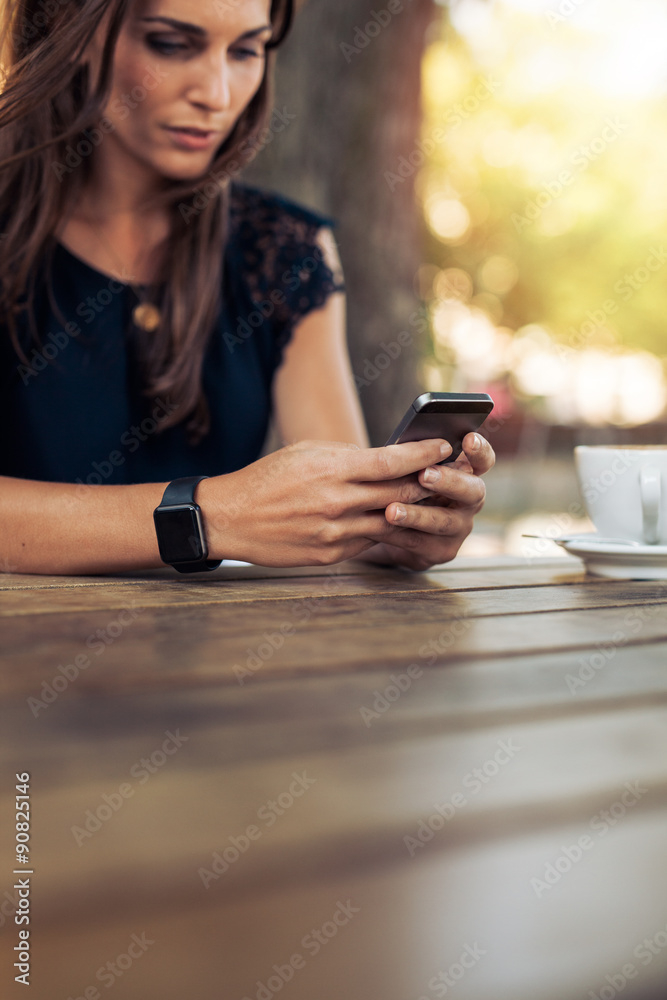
[(625, 490)]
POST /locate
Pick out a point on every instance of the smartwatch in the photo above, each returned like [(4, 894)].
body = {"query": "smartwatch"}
[(180, 529)]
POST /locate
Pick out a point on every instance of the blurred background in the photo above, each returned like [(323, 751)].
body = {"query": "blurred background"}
[(496, 168)]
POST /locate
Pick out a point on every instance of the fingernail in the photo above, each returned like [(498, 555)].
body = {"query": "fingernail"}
[(476, 442), (400, 514), (445, 449), (431, 475)]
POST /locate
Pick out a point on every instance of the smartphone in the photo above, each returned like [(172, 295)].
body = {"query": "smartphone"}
[(448, 415)]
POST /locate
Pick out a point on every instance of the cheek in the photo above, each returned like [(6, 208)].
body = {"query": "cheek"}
[(248, 83), (131, 99), (128, 69)]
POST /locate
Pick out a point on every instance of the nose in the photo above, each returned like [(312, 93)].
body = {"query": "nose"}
[(213, 87)]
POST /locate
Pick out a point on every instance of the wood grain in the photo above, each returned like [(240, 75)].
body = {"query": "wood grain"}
[(566, 671)]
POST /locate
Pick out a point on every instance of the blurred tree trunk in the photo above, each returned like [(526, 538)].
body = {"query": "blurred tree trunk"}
[(353, 81)]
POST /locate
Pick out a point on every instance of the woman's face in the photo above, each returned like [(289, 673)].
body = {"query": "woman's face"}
[(168, 75)]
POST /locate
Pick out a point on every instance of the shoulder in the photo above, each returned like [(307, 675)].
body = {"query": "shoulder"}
[(268, 226), (279, 243), (284, 255), (267, 210)]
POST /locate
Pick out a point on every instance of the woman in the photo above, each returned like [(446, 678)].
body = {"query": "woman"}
[(154, 311)]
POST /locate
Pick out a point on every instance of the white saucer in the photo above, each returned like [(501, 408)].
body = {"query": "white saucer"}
[(619, 561)]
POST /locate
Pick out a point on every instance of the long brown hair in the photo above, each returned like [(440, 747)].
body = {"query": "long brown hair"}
[(47, 100)]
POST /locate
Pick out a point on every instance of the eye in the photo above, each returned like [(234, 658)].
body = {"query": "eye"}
[(164, 47), (244, 54)]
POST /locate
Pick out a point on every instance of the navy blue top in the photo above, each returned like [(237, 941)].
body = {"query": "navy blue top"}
[(82, 418)]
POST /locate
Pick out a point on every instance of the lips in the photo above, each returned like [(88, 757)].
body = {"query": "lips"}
[(193, 139), (191, 131)]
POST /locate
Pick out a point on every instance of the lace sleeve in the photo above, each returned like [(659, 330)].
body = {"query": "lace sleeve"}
[(283, 261), (307, 281)]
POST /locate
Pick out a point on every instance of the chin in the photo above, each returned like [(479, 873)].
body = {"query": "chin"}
[(196, 166)]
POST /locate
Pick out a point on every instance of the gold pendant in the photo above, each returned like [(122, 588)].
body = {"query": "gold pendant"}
[(146, 316)]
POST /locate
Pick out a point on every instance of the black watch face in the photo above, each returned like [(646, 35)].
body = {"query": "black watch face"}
[(179, 536)]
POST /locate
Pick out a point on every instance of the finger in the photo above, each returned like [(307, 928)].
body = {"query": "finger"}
[(372, 525), (396, 460), (419, 550), (391, 554), (479, 453), (430, 520), (456, 485), (376, 496)]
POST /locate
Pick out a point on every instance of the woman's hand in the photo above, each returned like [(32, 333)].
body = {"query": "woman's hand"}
[(433, 532), (314, 502)]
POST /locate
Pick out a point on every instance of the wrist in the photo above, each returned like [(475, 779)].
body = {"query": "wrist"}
[(220, 530), (179, 527)]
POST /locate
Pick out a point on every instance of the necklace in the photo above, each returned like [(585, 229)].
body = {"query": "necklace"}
[(145, 314)]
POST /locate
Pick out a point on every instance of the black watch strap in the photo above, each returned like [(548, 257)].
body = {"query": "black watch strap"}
[(197, 567), (181, 491)]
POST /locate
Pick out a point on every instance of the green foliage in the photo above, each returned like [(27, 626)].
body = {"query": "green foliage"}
[(558, 177)]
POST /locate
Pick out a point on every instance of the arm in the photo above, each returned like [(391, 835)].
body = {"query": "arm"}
[(64, 528), (252, 514), (72, 529), (315, 397)]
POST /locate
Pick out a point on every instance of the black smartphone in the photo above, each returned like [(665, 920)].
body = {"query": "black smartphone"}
[(448, 415)]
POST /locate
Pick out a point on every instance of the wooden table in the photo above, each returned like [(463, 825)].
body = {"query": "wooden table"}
[(339, 784)]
